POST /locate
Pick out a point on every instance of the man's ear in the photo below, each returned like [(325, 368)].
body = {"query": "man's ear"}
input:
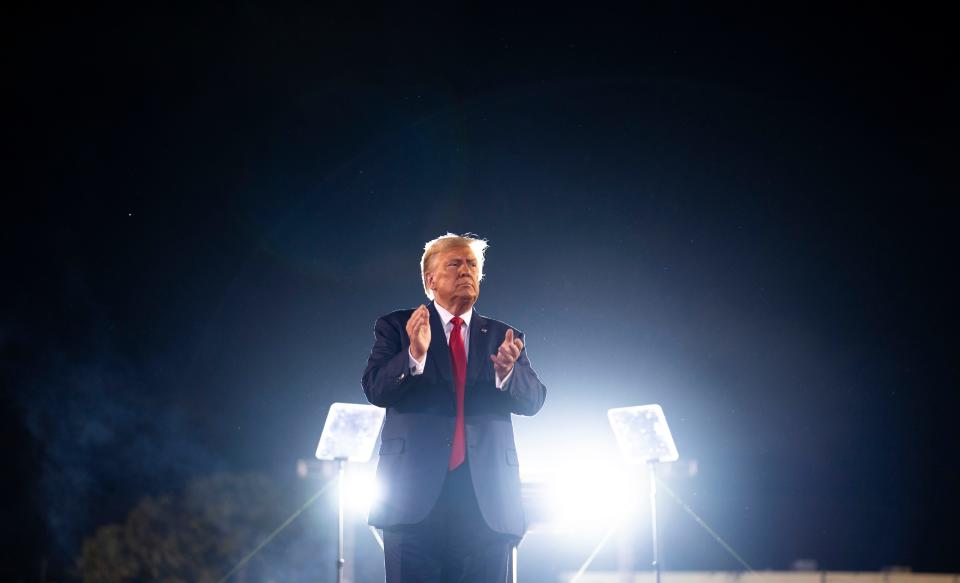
[(430, 281)]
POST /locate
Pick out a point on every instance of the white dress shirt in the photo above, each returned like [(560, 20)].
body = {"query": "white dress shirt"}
[(416, 367)]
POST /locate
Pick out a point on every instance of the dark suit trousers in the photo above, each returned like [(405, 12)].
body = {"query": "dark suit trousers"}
[(453, 544)]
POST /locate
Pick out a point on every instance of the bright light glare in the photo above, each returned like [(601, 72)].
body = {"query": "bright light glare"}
[(360, 490), (593, 494)]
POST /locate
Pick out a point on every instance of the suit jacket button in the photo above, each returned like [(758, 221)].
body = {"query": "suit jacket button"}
[(449, 442)]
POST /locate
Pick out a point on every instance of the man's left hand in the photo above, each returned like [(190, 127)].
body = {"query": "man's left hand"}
[(506, 355)]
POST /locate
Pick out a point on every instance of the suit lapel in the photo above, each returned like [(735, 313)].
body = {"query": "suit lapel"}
[(478, 357), (439, 353)]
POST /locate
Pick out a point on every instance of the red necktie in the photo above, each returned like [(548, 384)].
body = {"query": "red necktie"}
[(458, 357)]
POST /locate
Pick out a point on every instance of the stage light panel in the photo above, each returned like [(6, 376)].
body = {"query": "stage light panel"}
[(643, 434), (350, 432)]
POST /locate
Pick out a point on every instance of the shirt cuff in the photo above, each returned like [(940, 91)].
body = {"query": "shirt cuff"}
[(416, 367), (502, 384)]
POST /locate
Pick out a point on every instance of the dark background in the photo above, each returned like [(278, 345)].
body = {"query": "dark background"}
[(746, 214)]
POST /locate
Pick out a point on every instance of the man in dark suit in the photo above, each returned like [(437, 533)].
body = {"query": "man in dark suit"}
[(450, 379)]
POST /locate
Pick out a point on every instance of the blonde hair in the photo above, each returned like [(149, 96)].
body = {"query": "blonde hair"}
[(445, 243)]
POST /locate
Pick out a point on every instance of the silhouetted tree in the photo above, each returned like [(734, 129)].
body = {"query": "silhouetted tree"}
[(192, 537)]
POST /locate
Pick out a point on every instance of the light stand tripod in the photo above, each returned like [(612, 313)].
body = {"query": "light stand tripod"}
[(644, 437), (653, 518), (349, 434), (340, 560)]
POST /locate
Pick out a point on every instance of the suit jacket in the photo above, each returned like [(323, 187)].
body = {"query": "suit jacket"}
[(421, 412)]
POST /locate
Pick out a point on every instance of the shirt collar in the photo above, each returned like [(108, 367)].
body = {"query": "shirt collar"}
[(446, 316)]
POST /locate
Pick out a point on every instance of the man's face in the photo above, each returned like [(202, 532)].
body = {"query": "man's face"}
[(454, 279)]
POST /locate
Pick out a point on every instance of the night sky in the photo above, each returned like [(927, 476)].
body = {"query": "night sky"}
[(746, 215)]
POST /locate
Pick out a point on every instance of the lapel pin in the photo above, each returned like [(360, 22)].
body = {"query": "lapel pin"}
[(483, 330)]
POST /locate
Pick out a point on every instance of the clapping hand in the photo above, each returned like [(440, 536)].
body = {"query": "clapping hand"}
[(506, 355), (418, 330)]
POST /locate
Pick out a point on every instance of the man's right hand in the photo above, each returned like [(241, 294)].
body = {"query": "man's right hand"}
[(418, 330)]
